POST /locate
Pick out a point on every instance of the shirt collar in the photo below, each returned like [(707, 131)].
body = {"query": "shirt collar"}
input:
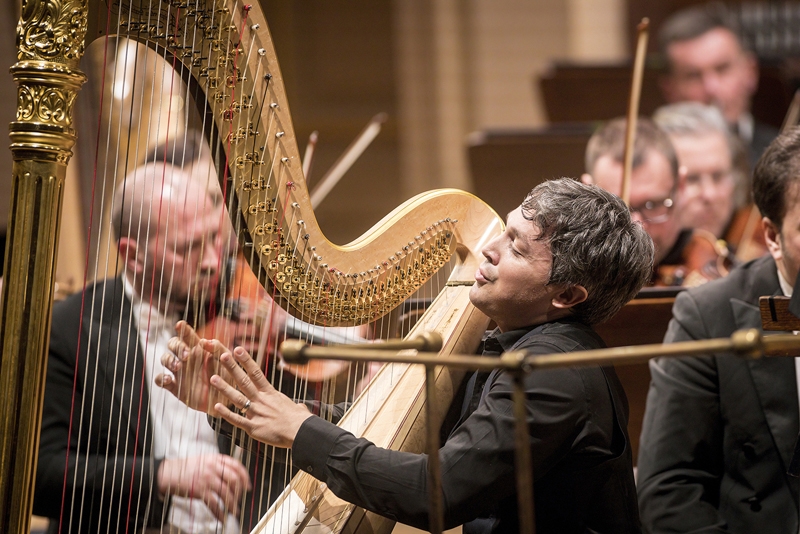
[(148, 316), (786, 287), (745, 126), (497, 342)]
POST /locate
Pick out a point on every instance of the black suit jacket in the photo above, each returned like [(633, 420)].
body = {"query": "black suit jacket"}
[(719, 431), (99, 437), (94, 439), (581, 457)]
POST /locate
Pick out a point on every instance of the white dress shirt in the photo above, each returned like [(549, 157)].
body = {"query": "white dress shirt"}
[(178, 431)]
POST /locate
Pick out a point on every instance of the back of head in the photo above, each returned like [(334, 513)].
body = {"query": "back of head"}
[(594, 243), (609, 140), (776, 174), (693, 22)]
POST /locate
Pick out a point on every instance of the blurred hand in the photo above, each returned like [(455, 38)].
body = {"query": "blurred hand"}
[(217, 479), (192, 367)]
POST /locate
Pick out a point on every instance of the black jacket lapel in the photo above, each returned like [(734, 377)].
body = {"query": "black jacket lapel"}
[(774, 379)]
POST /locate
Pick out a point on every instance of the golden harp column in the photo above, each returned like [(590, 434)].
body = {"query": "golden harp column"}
[(50, 42)]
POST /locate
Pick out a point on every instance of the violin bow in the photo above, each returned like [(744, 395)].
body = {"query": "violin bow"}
[(633, 107)]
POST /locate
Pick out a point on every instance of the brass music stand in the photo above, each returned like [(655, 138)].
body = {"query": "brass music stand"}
[(743, 343)]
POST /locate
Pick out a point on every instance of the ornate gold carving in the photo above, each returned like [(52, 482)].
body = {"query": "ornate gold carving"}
[(45, 104), (52, 30)]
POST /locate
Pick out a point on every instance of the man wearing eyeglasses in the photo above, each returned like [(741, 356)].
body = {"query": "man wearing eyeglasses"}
[(653, 196), (713, 195)]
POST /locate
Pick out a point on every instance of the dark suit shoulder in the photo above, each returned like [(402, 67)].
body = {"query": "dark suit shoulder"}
[(69, 309), (747, 282)]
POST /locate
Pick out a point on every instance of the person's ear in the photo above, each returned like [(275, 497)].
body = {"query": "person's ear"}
[(772, 236), (129, 252), (587, 179), (570, 296)]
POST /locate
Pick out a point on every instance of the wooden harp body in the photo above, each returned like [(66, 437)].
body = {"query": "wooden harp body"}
[(223, 50)]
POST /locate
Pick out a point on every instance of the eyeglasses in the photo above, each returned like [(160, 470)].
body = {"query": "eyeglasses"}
[(654, 211)]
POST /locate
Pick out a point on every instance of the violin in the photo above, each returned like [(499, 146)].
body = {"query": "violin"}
[(704, 257), (250, 318)]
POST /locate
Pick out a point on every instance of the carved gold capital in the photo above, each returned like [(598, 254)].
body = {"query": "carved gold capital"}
[(52, 30), (50, 43), (46, 96)]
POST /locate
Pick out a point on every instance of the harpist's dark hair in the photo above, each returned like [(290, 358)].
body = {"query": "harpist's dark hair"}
[(594, 243)]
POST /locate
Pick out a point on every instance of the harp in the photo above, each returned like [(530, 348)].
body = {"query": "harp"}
[(223, 50)]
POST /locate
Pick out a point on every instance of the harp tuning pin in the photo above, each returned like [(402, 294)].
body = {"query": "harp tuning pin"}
[(284, 160), (254, 27), (274, 105), (262, 52), (280, 134), (301, 222), (295, 205)]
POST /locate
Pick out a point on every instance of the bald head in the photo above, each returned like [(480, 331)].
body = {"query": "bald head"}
[(168, 220), (158, 189)]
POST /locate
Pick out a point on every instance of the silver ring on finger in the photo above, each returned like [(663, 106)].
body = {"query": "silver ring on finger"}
[(245, 407)]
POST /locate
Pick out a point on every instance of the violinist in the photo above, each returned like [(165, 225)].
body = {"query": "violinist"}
[(719, 431), (714, 193), (682, 258), (165, 458)]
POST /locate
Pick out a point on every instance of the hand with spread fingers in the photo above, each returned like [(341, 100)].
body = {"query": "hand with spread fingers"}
[(192, 367), (264, 413), (217, 479)]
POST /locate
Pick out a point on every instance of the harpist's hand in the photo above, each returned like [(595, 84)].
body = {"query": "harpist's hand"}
[(192, 367), (266, 414)]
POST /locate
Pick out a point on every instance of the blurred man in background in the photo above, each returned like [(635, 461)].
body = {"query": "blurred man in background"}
[(709, 63)]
